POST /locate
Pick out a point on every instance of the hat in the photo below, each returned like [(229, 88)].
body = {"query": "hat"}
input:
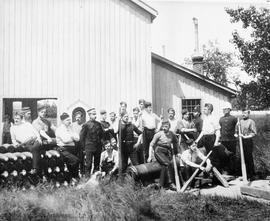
[(40, 108), (184, 111), (227, 106), (64, 116), (136, 109), (26, 109), (171, 109), (147, 104), (189, 142), (103, 112), (91, 109)]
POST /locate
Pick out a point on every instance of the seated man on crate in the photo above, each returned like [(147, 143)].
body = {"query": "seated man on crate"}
[(191, 159), (45, 128), (109, 159), (66, 139), (24, 134)]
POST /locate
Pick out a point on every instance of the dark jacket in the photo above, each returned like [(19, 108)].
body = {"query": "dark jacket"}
[(91, 135), (227, 130), (127, 132)]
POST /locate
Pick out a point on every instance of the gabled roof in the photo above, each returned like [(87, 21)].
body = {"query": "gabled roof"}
[(194, 74), (146, 7)]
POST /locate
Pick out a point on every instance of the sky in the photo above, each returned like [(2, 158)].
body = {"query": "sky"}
[(174, 28)]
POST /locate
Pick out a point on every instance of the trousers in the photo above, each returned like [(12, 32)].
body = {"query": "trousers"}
[(148, 135), (35, 148), (164, 157), (92, 155), (248, 148)]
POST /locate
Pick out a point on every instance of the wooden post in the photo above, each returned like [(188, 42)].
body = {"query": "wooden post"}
[(120, 167), (176, 176), (243, 164)]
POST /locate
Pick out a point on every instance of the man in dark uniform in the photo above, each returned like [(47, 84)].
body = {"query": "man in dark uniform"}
[(91, 137), (105, 125), (128, 141), (227, 138)]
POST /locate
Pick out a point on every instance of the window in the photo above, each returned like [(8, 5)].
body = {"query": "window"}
[(12, 105), (190, 104)]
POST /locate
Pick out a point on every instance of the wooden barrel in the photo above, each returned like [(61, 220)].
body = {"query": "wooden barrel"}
[(147, 171)]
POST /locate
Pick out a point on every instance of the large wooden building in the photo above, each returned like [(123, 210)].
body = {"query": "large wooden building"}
[(82, 53)]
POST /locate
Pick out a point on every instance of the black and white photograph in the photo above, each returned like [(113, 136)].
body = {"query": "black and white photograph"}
[(134, 110)]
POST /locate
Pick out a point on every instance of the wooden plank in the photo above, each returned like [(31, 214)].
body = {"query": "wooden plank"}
[(256, 192), (220, 177)]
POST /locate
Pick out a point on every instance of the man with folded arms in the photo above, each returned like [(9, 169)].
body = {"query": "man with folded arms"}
[(23, 133)]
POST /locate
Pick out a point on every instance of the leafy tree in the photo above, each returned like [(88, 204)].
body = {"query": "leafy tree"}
[(255, 55)]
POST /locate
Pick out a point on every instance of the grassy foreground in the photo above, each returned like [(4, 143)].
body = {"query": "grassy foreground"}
[(125, 201)]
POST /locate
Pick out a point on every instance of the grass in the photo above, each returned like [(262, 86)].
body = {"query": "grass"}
[(122, 201)]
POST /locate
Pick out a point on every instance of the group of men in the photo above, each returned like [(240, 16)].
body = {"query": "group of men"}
[(143, 137)]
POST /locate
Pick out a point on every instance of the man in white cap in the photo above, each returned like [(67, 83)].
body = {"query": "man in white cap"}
[(227, 138)]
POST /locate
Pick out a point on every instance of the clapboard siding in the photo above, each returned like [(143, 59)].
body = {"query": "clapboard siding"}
[(97, 51), (170, 86)]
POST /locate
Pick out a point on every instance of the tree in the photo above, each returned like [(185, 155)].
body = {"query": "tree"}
[(216, 62), (255, 55)]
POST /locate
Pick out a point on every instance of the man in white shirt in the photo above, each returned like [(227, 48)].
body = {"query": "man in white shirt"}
[(23, 133), (150, 125), (173, 121), (66, 139), (109, 159), (209, 136), (191, 159)]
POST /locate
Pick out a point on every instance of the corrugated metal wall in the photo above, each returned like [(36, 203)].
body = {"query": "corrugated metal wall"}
[(171, 86), (96, 51)]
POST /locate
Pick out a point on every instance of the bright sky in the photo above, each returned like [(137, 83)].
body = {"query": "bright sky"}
[(174, 27)]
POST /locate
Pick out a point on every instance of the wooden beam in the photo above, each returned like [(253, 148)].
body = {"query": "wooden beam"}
[(256, 192)]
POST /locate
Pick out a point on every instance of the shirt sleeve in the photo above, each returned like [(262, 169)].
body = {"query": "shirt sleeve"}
[(215, 123), (13, 137), (253, 127), (37, 125), (136, 129), (155, 139)]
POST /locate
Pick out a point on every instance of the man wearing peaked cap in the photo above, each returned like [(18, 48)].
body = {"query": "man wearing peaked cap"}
[(91, 137), (27, 114)]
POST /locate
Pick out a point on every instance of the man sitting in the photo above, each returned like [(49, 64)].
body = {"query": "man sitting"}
[(191, 157), (24, 134), (66, 138), (109, 159), (45, 128)]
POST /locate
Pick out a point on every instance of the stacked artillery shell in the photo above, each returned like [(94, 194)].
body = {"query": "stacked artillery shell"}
[(16, 168)]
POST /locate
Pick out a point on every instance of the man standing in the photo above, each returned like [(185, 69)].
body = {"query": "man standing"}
[(187, 129), (114, 124), (248, 131), (91, 140), (149, 125), (198, 122), (128, 141), (44, 127), (164, 152), (227, 138), (105, 125), (173, 121), (141, 105), (23, 133), (209, 136), (137, 122), (66, 139), (76, 128)]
